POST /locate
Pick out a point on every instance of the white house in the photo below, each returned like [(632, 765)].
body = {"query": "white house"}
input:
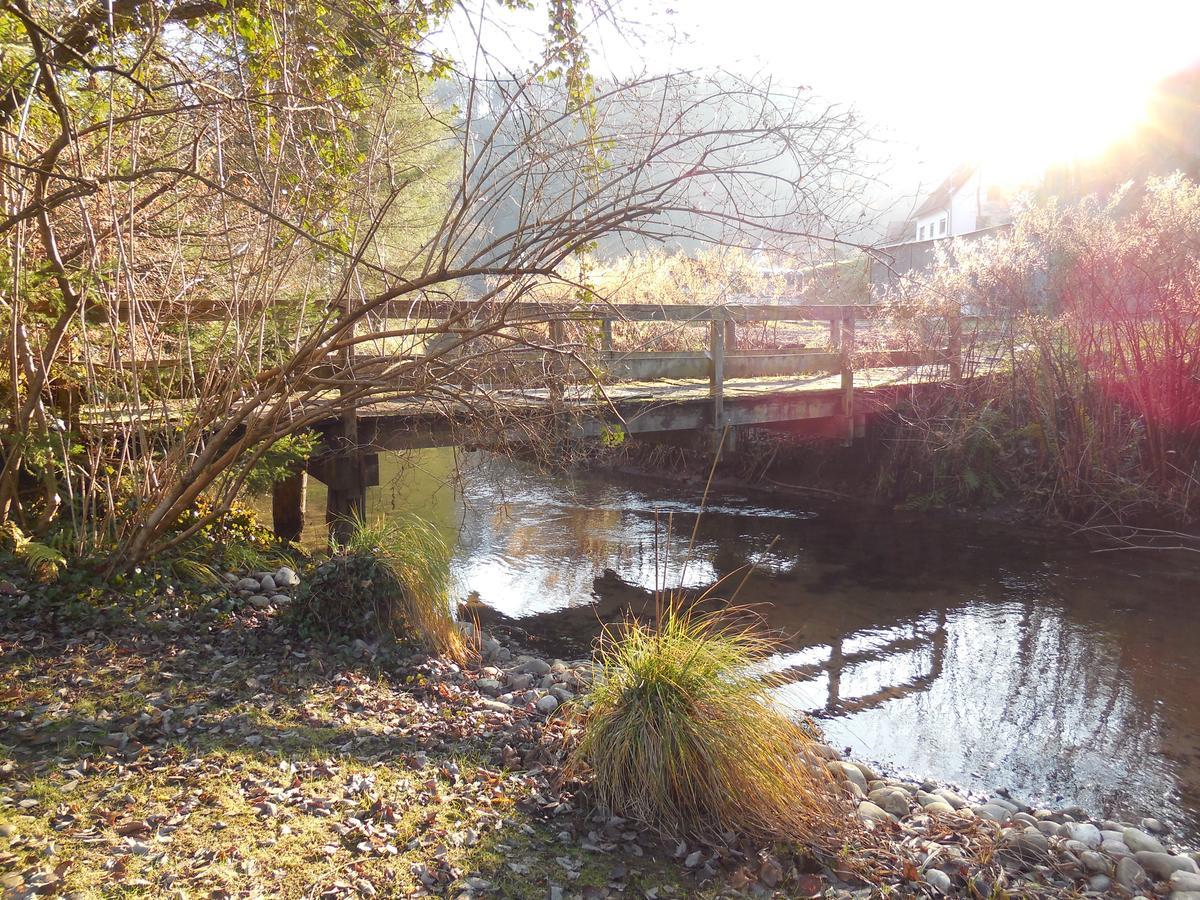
[(961, 204)]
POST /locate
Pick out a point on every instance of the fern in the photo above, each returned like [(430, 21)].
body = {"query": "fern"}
[(41, 560)]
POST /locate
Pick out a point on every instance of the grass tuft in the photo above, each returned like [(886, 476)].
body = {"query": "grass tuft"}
[(681, 735), (387, 577)]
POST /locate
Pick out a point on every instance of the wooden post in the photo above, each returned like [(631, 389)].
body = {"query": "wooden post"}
[(346, 498), (557, 364), (847, 350), (606, 335), (954, 349), (716, 377), (835, 333), (730, 335), (287, 506)]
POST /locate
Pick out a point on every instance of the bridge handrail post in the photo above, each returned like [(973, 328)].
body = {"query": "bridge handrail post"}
[(716, 378), (954, 348), (558, 368), (847, 367)]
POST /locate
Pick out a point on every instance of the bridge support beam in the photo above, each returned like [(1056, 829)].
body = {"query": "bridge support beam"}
[(287, 506), (346, 472)]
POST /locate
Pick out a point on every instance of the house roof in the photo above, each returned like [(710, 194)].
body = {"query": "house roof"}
[(943, 192)]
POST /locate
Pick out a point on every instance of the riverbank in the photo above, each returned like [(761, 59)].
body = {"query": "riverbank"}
[(207, 749), (804, 473)]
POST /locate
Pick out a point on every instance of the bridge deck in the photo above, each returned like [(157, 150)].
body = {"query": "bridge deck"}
[(659, 406)]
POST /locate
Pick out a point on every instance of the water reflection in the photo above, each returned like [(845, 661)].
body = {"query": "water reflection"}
[(973, 655)]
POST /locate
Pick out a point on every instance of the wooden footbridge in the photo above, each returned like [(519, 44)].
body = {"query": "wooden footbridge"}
[(823, 392)]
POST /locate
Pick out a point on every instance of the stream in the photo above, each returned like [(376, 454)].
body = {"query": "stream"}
[(971, 654)]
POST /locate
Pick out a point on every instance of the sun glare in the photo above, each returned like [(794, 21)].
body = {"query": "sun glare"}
[(1022, 126)]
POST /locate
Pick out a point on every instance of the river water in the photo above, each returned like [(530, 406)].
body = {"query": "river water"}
[(970, 654)]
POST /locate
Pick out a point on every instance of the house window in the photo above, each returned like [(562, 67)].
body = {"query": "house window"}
[(942, 226), (921, 237)]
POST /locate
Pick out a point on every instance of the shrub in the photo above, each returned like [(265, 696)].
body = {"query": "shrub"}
[(681, 735), (1089, 338), (388, 578)]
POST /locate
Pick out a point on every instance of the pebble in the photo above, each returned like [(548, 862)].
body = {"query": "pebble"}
[(534, 666), (1083, 832), (522, 682), (547, 704), (258, 601), (247, 584), (1162, 865), (849, 772), (1136, 840), (1027, 844), (494, 706), (280, 599), (1130, 874), (489, 686), (994, 813), (1154, 826), (952, 798), (1095, 862), (286, 578), (873, 813), (867, 771), (938, 880), (1116, 849), (267, 584), (891, 799), (1099, 883), (1181, 880)]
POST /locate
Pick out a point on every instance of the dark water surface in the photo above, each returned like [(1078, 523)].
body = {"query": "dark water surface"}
[(968, 654)]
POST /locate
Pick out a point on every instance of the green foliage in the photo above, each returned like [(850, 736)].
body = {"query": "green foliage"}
[(41, 560), (233, 542), (391, 577), (280, 460), (679, 733)]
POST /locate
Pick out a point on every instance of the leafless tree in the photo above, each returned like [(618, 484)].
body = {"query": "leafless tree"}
[(208, 250)]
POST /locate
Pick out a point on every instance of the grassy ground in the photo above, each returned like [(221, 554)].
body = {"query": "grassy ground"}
[(223, 756)]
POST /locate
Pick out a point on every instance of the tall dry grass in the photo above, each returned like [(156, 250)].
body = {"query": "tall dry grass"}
[(1082, 357), (681, 735)]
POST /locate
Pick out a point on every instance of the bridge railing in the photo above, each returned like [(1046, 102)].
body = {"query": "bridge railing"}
[(723, 359)]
